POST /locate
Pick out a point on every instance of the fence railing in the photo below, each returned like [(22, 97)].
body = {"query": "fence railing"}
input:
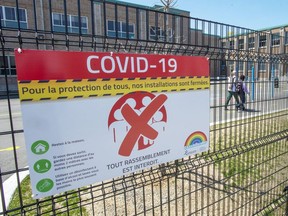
[(245, 170)]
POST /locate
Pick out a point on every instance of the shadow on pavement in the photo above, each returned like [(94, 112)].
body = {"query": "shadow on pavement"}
[(251, 110)]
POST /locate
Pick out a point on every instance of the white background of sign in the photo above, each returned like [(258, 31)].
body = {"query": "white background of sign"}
[(87, 119)]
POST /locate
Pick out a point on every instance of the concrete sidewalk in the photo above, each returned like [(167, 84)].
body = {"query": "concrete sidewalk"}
[(10, 185)]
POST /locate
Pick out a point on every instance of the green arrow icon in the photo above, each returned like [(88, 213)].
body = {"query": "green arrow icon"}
[(42, 166)]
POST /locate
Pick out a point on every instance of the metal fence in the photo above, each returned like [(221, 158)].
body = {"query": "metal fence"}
[(244, 172)]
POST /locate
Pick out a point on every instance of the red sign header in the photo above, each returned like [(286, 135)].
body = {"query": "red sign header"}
[(62, 65)]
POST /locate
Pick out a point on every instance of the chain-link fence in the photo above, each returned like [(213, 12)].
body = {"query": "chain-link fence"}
[(245, 170)]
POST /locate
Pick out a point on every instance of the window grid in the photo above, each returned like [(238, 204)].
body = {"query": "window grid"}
[(72, 23), (250, 65), (8, 17), (276, 68), (241, 66), (262, 41), (241, 44), (122, 29), (262, 66), (275, 39), (286, 37), (251, 43), (159, 34), (231, 44), (10, 65)]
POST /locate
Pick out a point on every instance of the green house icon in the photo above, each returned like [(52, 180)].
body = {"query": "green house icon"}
[(40, 147)]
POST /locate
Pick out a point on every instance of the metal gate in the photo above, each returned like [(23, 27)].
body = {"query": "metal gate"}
[(244, 172)]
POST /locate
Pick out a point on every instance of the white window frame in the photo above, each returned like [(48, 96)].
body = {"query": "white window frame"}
[(262, 43), (8, 66), (241, 45), (5, 21), (154, 35), (250, 64), (286, 38), (121, 33), (276, 67), (160, 34), (241, 66), (231, 65), (231, 44), (261, 65), (70, 26), (251, 43), (275, 41)]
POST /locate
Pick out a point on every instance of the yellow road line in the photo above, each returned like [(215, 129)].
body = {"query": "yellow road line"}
[(9, 149)]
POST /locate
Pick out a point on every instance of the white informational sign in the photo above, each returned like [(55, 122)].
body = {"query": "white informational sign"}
[(114, 120)]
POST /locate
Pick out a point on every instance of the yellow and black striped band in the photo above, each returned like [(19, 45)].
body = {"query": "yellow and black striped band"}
[(37, 90)]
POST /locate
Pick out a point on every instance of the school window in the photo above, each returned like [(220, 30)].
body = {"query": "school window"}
[(286, 38), (250, 65), (276, 67), (231, 44), (72, 21), (231, 65), (251, 43), (157, 33), (122, 29), (241, 44), (275, 39), (262, 66), (241, 66), (9, 17), (223, 67), (262, 41), (7, 65)]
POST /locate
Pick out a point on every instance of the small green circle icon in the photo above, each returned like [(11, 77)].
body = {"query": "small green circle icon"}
[(45, 185), (42, 166), (40, 147)]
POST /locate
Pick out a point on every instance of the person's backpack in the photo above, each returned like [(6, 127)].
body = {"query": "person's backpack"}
[(239, 87)]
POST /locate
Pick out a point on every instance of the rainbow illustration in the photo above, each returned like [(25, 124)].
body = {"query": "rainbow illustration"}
[(194, 138)]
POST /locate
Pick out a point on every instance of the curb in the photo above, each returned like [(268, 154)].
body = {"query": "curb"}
[(9, 186)]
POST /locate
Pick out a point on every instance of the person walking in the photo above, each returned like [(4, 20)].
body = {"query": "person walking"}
[(242, 91), (232, 90)]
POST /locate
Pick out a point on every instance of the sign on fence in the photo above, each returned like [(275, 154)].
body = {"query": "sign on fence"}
[(92, 116)]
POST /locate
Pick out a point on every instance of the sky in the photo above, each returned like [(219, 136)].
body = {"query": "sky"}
[(251, 14)]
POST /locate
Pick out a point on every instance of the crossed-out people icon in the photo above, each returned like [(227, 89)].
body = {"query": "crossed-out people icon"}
[(136, 124)]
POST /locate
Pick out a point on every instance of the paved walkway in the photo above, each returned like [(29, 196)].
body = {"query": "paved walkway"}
[(10, 186)]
